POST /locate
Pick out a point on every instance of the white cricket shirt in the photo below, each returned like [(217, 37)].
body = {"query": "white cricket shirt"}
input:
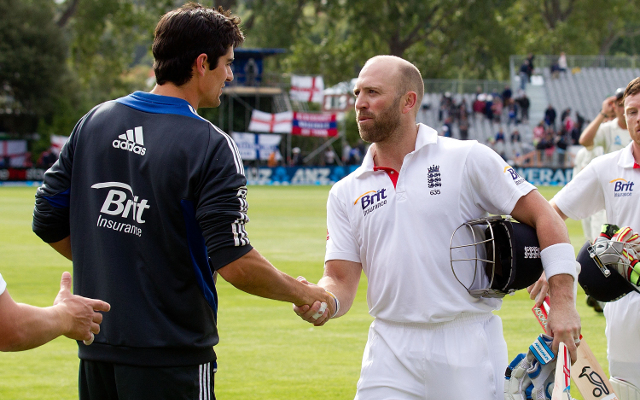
[(611, 137), (608, 182), (611, 182), (402, 235), (3, 284)]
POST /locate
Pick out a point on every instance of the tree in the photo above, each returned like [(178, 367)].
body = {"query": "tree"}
[(32, 57)]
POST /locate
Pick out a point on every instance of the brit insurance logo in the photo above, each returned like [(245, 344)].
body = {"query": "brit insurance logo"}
[(622, 187), (514, 175), (434, 180), (121, 211), (371, 200), (132, 141)]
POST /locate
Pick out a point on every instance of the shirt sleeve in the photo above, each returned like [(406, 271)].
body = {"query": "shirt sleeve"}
[(582, 196), (51, 211), (341, 244), (3, 284), (600, 138), (495, 186), (221, 209)]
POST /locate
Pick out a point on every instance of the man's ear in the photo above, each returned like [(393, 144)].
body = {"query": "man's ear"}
[(201, 64), (410, 102)]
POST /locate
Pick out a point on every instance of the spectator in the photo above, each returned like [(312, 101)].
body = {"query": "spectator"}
[(516, 144), (446, 130), (329, 156), (346, 151), (479, 104), (512, 114), (550, 116), (296, 158), (463, 126), (538, 142), (498, 144), (488, 108), (524, 74), (562, 63), (531, 66), (507, 94), (523, 103)]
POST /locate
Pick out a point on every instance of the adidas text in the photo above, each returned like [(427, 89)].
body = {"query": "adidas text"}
[(132, 141)]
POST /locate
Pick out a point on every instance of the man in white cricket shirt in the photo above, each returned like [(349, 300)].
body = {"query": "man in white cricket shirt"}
[(393, 218), (611, 182)]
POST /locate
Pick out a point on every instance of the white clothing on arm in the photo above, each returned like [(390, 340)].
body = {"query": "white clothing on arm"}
[(611, 137), (402, 236), (3, 284), (611, 182)]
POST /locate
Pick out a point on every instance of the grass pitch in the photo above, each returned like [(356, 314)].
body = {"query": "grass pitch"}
[(266, 352)]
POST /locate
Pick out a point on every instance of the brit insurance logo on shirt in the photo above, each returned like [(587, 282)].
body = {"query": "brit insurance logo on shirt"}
[(622, 187), (121, 211), (132, 140), (372, 200), (514, 175)]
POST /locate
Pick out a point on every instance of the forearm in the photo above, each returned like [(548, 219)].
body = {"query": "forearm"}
[(254, 274), (342, 278), (28, 327), (589, 133), (63, 247), (344, 294)]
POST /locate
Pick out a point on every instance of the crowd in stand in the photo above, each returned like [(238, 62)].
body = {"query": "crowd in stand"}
[(505, 112)]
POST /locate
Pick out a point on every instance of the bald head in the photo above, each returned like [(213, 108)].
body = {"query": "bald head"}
[(406, 76)]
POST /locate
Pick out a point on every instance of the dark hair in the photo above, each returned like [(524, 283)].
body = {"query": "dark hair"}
[(633, 88), (185, 33)]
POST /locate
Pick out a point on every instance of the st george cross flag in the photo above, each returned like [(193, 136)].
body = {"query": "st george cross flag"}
[(274, 123), (57, 141), (307, 88), (256, 147)]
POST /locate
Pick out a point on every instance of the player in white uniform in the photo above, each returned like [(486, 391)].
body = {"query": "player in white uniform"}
[(24, 327), (611, 135), (393, 218), (611, 182)]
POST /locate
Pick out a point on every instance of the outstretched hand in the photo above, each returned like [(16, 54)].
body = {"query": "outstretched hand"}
[(80, 316), (320, 311)]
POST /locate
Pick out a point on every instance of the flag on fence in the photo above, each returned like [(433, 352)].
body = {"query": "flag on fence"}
[(307, 88), (255, 146), (57, 141), (274, 123), (313, 124)]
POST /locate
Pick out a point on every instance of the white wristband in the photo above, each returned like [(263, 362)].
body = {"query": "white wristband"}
[(559, 259)]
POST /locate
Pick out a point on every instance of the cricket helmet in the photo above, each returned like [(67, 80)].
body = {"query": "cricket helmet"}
[(599, 276), (495, 256)]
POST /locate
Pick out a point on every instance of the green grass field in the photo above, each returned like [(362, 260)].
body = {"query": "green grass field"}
[(266, 352)]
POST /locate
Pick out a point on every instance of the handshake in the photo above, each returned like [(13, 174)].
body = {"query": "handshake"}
[(318, 312)]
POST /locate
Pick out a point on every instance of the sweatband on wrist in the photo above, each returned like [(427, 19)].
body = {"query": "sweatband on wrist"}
[(559, 259), (337, 303)]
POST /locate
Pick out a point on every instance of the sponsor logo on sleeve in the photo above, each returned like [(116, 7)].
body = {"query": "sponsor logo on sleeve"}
[(132, 140), (121, 211), (622, 187), (517, 179), (371, 200)]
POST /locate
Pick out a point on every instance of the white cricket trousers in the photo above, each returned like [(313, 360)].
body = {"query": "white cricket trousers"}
[(623, 336), (461, 359)]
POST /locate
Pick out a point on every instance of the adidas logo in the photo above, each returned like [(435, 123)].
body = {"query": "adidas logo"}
[(132, 140)]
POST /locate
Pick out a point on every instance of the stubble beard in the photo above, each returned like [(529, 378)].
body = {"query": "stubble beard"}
[(383, 127)]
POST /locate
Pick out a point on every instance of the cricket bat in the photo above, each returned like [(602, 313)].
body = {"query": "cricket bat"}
[(586, 372), (562, 381)]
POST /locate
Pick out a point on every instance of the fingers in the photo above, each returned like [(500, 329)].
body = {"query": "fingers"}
[(90, 340), (99, 305), (65, 282), (303, 280), (315, 314)]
